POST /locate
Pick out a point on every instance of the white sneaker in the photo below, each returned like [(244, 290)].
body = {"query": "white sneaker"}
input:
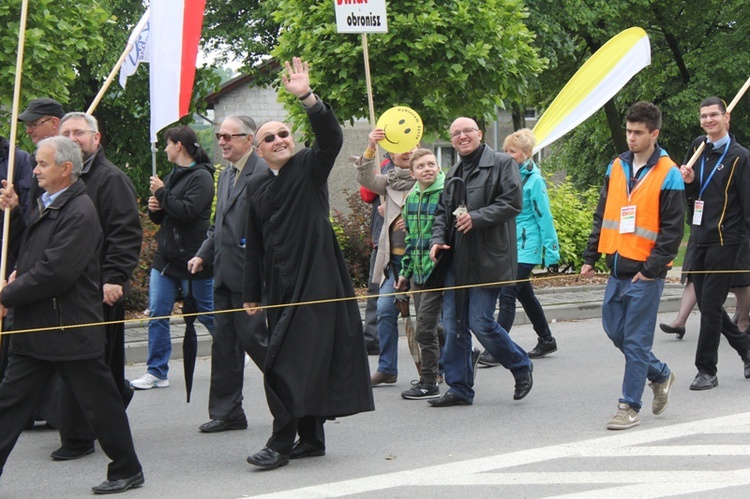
[(149, 381)]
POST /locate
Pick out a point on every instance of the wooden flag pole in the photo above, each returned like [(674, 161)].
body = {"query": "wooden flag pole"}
[(734, 102), (12, 140), (109, 79), (128, 47), (368, 82)]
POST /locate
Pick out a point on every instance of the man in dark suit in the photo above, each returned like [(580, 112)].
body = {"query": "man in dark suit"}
[(234, 333)]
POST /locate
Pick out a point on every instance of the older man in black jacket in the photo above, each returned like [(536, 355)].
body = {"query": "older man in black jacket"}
[(114, 198), (57, 286), (487, 232)]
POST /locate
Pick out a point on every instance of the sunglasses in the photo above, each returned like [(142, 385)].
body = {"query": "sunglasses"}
[(227, 136), (282, 135)]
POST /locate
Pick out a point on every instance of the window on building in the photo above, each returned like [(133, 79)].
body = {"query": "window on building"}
[(446, 156)]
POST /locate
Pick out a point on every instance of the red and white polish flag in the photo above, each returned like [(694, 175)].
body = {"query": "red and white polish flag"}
[(175, 30)]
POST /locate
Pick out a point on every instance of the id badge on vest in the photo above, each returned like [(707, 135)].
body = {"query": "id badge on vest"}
[(698, 212), (627, 219)]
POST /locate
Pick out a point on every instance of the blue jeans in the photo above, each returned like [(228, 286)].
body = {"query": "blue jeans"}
[(478, 315), (162, 293), (629, 318), (524, 292), (388, 320)]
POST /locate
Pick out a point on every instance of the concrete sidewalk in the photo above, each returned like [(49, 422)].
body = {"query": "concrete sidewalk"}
[(560, 304)]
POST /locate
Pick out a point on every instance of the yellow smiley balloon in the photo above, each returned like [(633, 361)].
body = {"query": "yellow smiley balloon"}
[(402, 127)]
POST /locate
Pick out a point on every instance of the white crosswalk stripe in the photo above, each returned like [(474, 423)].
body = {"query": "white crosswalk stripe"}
[(643, 481)]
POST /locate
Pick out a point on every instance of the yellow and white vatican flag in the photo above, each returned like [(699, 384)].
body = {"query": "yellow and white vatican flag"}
[(598, 80)]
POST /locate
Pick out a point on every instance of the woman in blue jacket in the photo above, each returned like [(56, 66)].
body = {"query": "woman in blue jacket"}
[(537, 245)]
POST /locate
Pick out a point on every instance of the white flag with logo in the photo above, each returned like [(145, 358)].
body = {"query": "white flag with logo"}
[(140, 51)]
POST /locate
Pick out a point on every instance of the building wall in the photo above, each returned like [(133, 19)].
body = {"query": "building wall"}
[(262, 105)]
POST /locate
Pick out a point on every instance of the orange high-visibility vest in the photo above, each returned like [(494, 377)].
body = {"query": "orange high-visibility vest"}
[(645, 197)]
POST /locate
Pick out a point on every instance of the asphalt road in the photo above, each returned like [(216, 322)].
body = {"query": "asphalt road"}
[(551, 444)]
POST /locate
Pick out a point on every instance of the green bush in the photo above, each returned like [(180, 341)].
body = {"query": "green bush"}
[(353, 232), (572, 211)]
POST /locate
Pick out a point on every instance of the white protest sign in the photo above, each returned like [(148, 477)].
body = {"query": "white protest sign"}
[(361, 16)]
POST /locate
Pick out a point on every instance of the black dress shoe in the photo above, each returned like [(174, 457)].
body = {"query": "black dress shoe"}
[(704, 381), (679, 331), (217, 425), (121, 485), (69, 453), (746, 360), (449, 399), (524, 384), (268, 459), (305, 449)]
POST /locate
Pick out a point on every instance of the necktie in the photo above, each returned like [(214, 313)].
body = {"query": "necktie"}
[(232, 179)]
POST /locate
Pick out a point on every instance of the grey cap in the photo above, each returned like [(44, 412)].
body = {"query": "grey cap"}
[(42, 107)]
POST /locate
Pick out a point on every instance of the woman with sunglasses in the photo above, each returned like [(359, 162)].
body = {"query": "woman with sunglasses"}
[(181, 206)]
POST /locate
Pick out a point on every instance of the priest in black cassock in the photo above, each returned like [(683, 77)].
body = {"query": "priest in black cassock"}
[(316, 367)]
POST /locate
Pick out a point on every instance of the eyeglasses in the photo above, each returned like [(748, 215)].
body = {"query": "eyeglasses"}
[(713, 116), (76, 133), (270, 138), (465, 131), (38, 123), (228, 136)]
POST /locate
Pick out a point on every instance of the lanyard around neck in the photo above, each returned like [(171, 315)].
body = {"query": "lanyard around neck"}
[(716, 166)]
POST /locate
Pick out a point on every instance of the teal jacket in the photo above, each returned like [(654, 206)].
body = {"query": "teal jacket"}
[(419, 213), (535, 231)]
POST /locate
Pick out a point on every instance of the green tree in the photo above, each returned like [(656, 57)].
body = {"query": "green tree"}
[(441, 58), (59, 33), (240, 30), (697, 50)]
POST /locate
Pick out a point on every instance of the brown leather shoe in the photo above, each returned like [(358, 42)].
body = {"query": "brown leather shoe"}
[(379, 378)]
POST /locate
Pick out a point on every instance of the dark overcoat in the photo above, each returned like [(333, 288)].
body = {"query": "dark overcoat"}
[(114, 197), (58, 281), (317, 362), (494, 197)]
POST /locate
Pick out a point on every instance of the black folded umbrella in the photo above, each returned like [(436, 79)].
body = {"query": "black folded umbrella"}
[(454, 196), (190, 341)]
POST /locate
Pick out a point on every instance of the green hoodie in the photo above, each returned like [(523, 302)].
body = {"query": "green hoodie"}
[(419, 213)]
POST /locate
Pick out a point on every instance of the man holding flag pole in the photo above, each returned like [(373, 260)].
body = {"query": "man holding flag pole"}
[(720, 194)]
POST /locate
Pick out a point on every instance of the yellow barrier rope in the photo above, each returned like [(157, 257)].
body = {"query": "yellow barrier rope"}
[(345, 298)]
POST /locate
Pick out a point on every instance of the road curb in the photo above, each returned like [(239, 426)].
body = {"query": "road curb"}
[(136, 348)]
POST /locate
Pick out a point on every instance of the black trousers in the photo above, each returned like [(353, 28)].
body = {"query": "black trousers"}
[(309, 429), (234, 334), (93, 387), (711, 289), (75, 431)]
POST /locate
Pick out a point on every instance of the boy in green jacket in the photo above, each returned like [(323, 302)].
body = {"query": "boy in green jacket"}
[(418, 214)]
